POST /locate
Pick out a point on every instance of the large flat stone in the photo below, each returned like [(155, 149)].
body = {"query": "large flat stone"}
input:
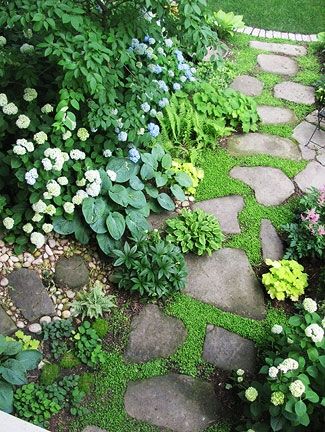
[(312, 176), (227, 350), (312, 118), (275, 115), (29, 295), (157, 220), (226, 280), (272, 247), (177, 402), (7, 325), (259, 143), (295, 92), (247, 85), (226, 210), (321, 158), (302, 134), (271, 185), (279, 48), (71, 272), (277, 64), (154, 335)]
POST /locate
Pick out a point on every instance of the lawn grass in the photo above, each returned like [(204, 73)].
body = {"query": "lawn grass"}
[(302, 16)]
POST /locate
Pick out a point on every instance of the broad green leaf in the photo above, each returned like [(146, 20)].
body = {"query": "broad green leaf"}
[(63, 226), (166, 202), (136, 199), (166, 161), (136, 183), (6, 397), (136, 222), (178, 193), (106, 243), (116, 225), (183, 179), (29, 359), (147, 172), (119, 194), (300, 408), (123, 168)]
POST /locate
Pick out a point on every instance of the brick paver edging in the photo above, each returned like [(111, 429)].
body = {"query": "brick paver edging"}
[(276, 34)]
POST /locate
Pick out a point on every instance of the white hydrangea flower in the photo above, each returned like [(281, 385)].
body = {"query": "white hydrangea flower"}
[(82, 134), (10, 109), (53, 188), (92, 176), (315, 332), (79, 197), (47, 228), (273, 372), (37, 217), (240, 372), (297, 388), (65, 156), (107, 153), (19, 150), (40, 137), (141, 131), (31, 176), (47, 195), (309, 305), (81, 182), (168, 43), (68, 207), (23, 121), (39, 206), (26, 48), (47, 108), (3, 41), (66, 135), (50, 210), (37, 239), (28, 228), (77, 154), (29, 94), (277, 329), (47, 164), (93, 189), (63, 181), (251, 394), (112, 175), (29, 146), (8, 222), (3, 100), (240, 379), (288, 364)]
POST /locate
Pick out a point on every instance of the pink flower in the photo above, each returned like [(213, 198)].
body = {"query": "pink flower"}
[(321, 230), (311, 216)]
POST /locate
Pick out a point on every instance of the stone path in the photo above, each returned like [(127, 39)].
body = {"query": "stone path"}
[(247, 85), (270, 34), (295, 92), (71, 272), (277, 64), (275, 115), (279, 48), (272, 247)]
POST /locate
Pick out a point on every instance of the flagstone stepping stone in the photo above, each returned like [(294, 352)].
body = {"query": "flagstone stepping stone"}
[(71, 272), (271, 185), (27, 292), (227, 350), (259, 143), (226, 280), (247, 85), (277, 64), (226, 210), (177, 402), (287, 49), (312, 118), (312, 176), (272, 247), (295, 92), (93, 429), (302, 134), (275, 115), (157, 220), (153, 335), (7, 325)]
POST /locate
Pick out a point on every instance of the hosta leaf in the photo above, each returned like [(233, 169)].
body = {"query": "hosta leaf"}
[(119, 194), (178, 193), (136, 222), (63, 226), (136, 183), (183, 179), (136, 199), (147, 172), (6, 397), (166, 202), (116, 225), (123, 168), (29, 359)]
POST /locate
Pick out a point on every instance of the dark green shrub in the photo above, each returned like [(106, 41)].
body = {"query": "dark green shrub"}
[(57, 333), (101, 327), (88, 345), (69, 360), (49, 374), (150, 266), (195, 231)]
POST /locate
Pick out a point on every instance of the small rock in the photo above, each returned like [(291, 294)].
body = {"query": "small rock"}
[(185, 204), (70, 294), (71, 272), (35, 328), (45, 319), (20, 324), (60, 306), (4, 258), (14, 258), (66, 314), (9, 312), (56, 318), (48, 250), (52, 243), (4, 282)]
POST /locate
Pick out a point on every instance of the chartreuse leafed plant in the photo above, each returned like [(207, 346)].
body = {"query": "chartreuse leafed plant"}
[(93, 303), (14, 365), (195, 231), (150, 266), (306, 234), (225, 23), (285, 279), (27, 341), (289, 392), (196, 174)]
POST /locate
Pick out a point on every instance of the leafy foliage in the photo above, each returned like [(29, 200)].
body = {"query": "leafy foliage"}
[(150, 266), (69, 360), (56, 332), (49, 373), (26, 340), (285, 279), (93, 303), (196, 175), (14, 364), (195, 231), (88, 345), (225, 23), (101, 327)]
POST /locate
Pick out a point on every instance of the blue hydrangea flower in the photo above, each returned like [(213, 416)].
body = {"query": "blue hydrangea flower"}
[(151, 41), (153, 113), (188, 74), (183, 78), (171, 73), (153, 130), (145, 107), (134, 43), (122, 136), (168, 43), (157, 69), (141, 48), (149, 53), (183, 66), (177, 86), (163, 102), (162, 85), (179, 55), (146, 38), (134, 155)]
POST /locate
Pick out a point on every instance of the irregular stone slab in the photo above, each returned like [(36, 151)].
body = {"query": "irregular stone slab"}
[(304, 131), (295, 92), (271, 185), (292, 50), (7, 325), (247, 85), (226, 280), (312, 176), (321, 158), (154, 335), (29, 295), (71, 272), (157, 220), (277, 64), (312, 118), (275, 115), (272, 247), (259, 143), (228, 350), (93, 429), (176, 402), (226, 210)]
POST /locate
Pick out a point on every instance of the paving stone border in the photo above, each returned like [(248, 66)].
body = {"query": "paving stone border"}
[(270, 34)]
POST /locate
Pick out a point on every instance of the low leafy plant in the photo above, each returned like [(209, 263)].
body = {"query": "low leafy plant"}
[(85, 382), (88, 345), (57, 333), (93, 303), (196, 174), (69, 360), (101, 327), (14, 365), (306, 234), (27, 341), (288, 394), (285, 279), (320, 91), (195, 231), (49, 373), (150, 266), (226, 23)]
